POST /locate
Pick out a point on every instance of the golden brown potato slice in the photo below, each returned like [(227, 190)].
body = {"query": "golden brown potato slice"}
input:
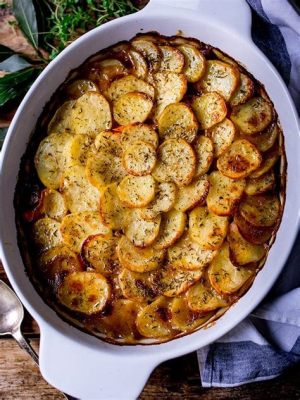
[(219, 77), (239, 160), (75, 228), (84, 292), (265, 140), (112, 211), (132, 107), (139, 158), (136, 132), (105, 71), (207, 229), (46, 233), (140, 68), (172, 59), (150, 52), (61, 122), (253, 234), (163, 201), (54, 205), (78, 87), (176, 161), (136, 191), (194, 62), (260, 185), (201, 297), (137, 286), (224, 277), (253, 116), (177, 121), (79, 149), (138, 259), (129, 84), (188, 254), (204, 152), (244, 91), (241, 251), (269, 160), (222, 135), (140, 232), (77, 191), (171, 228), (50, 159), (192, 195), (224, 57), (210, 109), (261, 210), (99, 253), (174, 281), (224, 193), (180, 40)]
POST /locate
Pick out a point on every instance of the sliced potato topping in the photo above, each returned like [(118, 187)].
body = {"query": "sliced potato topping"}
[(99, 252), (177, 121), (113, 213), (62, 120), (244, 91), (136, 191), (150, 51), (193, 194), (210, 109), (171, 228), (105, 71), (194, 62), (261, 210), (222, 135), (176, 161), (140, 68), (224, 277), (46, 233), (253, 116), (132, 107), (138, 259), (136, 132), (252, 233), (224, 193), (129, 84), (84, 292), (207, 229), (269, 160), (79, 149), (140, 232), (260, 185), (78, 87), (164, 200), (54, 205), (204, 152), (137, 286), (139, 158), (172, 59), (174, 281), (265, 140), (201, 297)]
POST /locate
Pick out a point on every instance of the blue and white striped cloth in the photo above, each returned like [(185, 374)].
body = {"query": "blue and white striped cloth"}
[(267, 343)]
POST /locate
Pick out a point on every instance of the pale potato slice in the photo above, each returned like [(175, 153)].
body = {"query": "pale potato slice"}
[(137, 286), (140, 232), (79, 149), (260, 185), (224, 193), (253, 116), (202, 298), (207, 229), (136, 191), (253, 234), (264, 141), (99, 253), (153, 320), (75, 228), (269, 160), (78, 87), (171, 228), (244, 91), (132, 107), (177, 121), (176, 161), (138, 259), (210, 109), (188, 254), (112, 211), (150, 52), (140, 68), (139, 158), (172, 59), (91, 114), (61, 122), (46, 233), (194, 62), (239, 160), (241, 251), (109, 142), (219, 77), (84, 292), (54, 205), (170, 88), (163, 201), (50, 159), (174, 281), (204, 150), (129, 84), (261, 210), (78, 192), (136, 132), (222, 135), (225, 277), (192, 195)]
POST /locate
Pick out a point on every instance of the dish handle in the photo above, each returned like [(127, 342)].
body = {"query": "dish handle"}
[(235, 15)]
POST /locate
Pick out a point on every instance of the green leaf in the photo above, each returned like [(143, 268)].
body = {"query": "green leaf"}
[(5, 52), (14, 63), (25, 15), (3, 132)]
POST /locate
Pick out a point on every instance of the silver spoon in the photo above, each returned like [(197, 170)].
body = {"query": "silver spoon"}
[(11, 317)]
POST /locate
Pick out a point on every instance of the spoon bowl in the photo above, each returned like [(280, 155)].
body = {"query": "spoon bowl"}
[(11, 311)]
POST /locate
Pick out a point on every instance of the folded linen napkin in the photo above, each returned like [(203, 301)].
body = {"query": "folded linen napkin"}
[(268, 342)]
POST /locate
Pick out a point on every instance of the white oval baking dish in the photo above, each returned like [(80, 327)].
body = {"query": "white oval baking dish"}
[(75, 362)]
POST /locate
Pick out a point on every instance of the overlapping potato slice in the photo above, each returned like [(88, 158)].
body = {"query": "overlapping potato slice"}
[(172, 59), (128, 84), (163, 201), (244, 91), (61, 121), (222, 135), (204, 150), (171, 228), (150, 52), (78, 87), (113, 213), (105, 71), (142, 232), (139, 158), (224, 57), (132, 107), (224, 193), (75, 228), (136, 132), (210, 109), (176, 161), (207, 229), (174, 281), (224, 277), (50, 159), (253, 116), (136, 191), (219, 77), (140, 68), (260, 185), (181, 40), (188, 254), (54, 205), (265, 140), (99, 253), (138, 259), (194, 62), (137, 286), (269, 160), (193, 194), (201, 297), (261, 210), (79, 149), (177, 121), (84, 292), (46, 233), (252, 233), (239, 160), (241, 251)]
